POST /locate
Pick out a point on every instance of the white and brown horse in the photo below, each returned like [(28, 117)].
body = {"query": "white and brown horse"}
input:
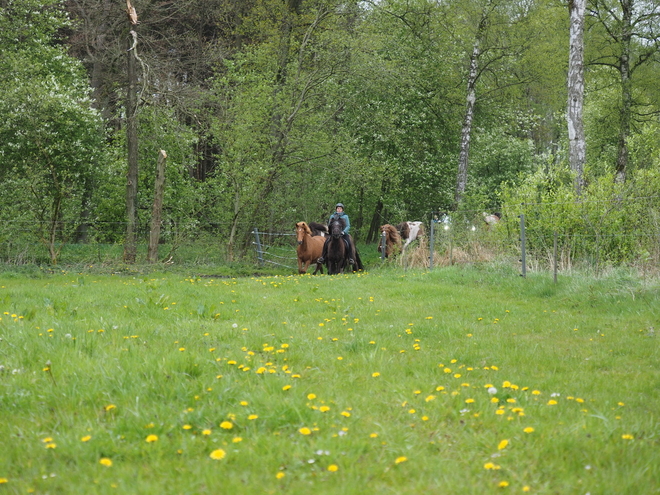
[(410, 231), (309, 248), (392, 240)]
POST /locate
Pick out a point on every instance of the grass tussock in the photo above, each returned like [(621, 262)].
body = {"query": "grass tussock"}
[(467, 379)]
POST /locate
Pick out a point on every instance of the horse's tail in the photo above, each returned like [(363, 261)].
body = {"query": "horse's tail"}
[(358, 262)]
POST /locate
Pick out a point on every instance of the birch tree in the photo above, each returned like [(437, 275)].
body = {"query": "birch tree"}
[(625, 38), (576, 140)]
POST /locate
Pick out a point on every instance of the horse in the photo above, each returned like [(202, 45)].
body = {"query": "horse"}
[(492, 219), (309, 248), (392, 240), (338, 252), (410, 231)]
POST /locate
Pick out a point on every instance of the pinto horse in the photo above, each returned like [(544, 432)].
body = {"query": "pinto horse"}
[(410, 231), (392, 240), (309, 248)]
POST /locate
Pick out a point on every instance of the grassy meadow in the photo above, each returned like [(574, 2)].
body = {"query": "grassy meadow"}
[(463, 380)]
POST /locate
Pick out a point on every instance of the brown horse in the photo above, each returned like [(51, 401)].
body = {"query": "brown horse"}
[(392, 240), (309, 248)]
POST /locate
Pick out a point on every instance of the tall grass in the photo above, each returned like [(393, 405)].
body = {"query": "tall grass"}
[(461, 380)]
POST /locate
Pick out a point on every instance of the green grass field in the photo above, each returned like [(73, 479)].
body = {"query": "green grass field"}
[(461, 381)]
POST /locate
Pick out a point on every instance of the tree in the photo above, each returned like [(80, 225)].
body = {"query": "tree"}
[(576, 139), (625, 39), (51, 138)]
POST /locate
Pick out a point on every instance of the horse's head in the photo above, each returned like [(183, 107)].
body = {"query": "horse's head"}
[(336, 227), (302, 229)]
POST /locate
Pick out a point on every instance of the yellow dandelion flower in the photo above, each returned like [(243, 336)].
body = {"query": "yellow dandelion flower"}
[(502, 445), (400, 459), (51, 445), (333, 468), (375, 375), (252, 417), (503, 484), (286, 387), (311, 396), (206, 432), (236, 440), (324, 408), (151, 438), (226, 425), (3, 480), (104, 461), (244, 403), (86, 438), (536, 392), (280, 475), (552, 402), (490, 465), (494, 400), (346, 414), (187, 427), (373, 435), (430, 398), (217, 454), (469, 401), (305, 431), (529, 429), (110, 407), (500, 411), (627, 436)]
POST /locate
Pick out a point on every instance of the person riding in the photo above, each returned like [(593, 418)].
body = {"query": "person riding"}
[(340, 213)]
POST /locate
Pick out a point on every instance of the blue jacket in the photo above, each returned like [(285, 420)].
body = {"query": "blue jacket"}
[(343, 215)]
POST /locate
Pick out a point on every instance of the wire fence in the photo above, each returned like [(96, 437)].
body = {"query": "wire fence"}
[(556, 236)]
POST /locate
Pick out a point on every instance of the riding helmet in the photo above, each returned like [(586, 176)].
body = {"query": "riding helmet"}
[(338, 205)]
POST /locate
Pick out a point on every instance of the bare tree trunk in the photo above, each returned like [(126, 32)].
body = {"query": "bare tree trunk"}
[(130, 243), (576, 140), (626, 90), (156, 212)]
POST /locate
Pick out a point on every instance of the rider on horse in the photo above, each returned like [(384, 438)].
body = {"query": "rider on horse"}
[(339, 213)]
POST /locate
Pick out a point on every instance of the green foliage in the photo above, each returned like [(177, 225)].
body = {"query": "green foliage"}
[(609, 224), (51, 140)]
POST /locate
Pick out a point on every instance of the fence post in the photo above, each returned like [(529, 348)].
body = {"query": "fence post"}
[(258, 243), (431, 243), (554, 256), (522, 246), (383, 244)]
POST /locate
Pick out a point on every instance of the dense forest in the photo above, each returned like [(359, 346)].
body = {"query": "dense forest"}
[(271, 111)]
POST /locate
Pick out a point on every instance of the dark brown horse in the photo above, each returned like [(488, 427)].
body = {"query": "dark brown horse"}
[(309, 248), (338, 253)]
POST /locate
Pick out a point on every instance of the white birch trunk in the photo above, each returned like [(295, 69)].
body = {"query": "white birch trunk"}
[(466, 132), (576, 142)]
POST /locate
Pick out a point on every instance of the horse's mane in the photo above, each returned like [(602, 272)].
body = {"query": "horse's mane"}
[(391, 232), (305, 227), (318, 228), (338, 220)]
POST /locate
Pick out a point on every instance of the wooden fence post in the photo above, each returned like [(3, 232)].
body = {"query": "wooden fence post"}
[(156, 212)]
